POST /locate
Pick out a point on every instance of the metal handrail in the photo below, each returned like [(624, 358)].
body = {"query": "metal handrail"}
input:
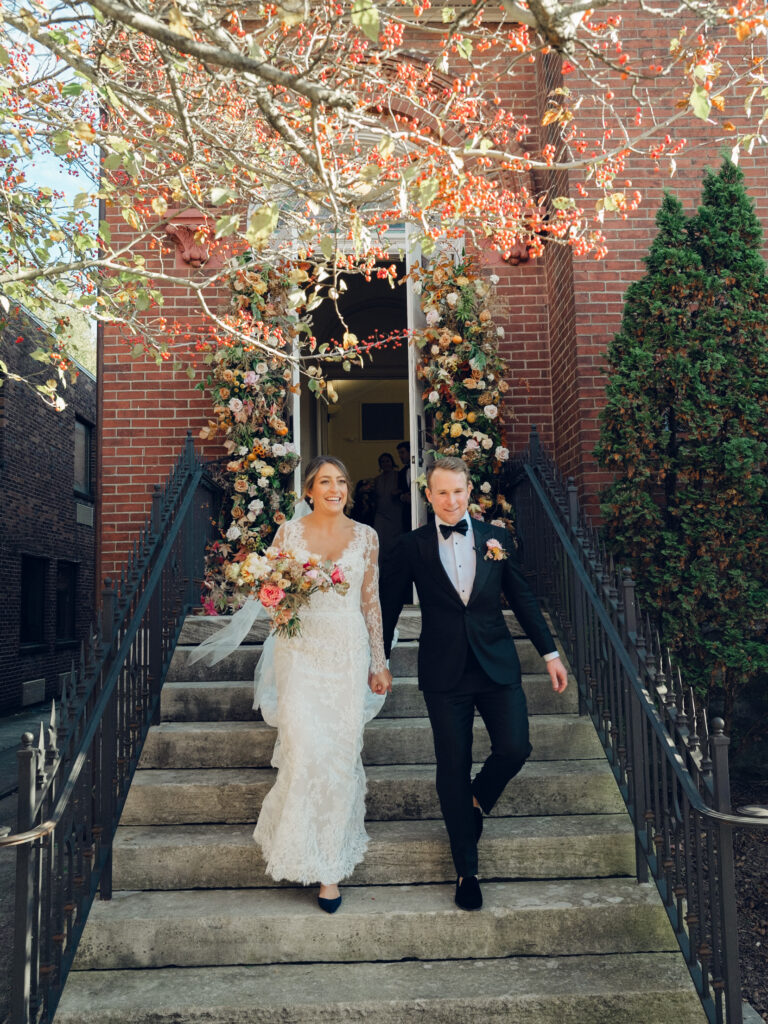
[(74, 782), (693, 794), (670, 762)]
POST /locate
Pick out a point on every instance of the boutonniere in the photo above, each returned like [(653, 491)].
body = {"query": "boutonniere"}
[(495, 551)]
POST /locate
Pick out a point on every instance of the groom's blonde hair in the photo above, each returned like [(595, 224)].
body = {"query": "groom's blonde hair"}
[(452, 464)]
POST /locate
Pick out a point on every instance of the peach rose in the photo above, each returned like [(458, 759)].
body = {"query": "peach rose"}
[(270, 595), (241, 485)]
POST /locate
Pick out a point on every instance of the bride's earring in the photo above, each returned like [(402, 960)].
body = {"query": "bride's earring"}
[(309, 501)]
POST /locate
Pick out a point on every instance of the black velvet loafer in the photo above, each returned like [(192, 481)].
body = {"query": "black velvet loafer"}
[(468, 894)]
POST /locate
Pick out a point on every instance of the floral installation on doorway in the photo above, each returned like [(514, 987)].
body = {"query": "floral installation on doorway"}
[(249, 387), (464, 378)]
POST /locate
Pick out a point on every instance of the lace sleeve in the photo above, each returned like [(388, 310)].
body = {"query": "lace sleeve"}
[(369, 601), (280, 540)]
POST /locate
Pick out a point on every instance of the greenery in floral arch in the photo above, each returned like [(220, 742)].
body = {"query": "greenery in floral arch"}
[(249, 387), (465, 377)]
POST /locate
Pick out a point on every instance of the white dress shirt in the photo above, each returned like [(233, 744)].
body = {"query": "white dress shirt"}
[(457, 553), (459, 558)]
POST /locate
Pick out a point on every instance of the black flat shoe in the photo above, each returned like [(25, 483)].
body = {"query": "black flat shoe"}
[(478, 822), (468, 895), (329, 906)]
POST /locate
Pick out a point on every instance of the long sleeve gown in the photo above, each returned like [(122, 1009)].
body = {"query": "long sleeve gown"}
[(311, 825)]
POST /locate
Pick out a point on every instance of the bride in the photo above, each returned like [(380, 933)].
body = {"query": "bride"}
[(311, 825)]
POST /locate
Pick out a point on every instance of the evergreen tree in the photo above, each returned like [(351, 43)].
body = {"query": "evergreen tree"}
[(685, 428)]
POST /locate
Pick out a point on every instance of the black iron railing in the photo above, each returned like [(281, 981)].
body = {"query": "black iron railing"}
[(670, 762), (74, 778)]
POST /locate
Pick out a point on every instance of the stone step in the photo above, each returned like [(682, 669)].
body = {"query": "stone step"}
[(394, 792), (240, 664), (197, 628), (393, 741), (640, 988), (399, 852), (227, 701), (252, 926)]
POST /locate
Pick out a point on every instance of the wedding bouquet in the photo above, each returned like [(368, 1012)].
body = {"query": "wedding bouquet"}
[(284, 583)]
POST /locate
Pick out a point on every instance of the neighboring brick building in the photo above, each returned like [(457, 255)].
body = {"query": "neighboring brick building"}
[(559, 312), (48, 528)]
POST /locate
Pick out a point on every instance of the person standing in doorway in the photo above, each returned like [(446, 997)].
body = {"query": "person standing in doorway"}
[(467, 657), (388, 522)]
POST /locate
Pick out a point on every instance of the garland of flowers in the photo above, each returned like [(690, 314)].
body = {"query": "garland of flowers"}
[(249, 388), (464, 377)]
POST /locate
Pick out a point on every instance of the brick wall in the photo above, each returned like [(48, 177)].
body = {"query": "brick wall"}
[(599, 286), (146, 409), (39, 517)]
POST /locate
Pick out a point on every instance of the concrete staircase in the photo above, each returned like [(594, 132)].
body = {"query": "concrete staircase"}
[(197, 933)]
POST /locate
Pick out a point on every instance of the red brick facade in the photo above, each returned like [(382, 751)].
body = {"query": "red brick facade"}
[(559, 313)]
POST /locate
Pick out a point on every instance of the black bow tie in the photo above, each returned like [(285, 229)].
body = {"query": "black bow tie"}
[(461, 527)]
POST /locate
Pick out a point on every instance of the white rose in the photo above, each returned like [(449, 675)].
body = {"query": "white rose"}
[(502, 453), (256, 506), (261, 367), (471, 445), (242, 450), (290, 447), (433, 317), (262, 481), (487, 443), (433, 396), (435, 350), (452, 298), (233, 533), (279, 449), (252, 490), (235, 405), (485, 488), (490, 411), (499, 332), (494, 278), (251, 517)]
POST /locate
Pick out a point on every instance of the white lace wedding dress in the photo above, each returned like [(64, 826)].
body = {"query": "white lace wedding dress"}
[(310, 828)]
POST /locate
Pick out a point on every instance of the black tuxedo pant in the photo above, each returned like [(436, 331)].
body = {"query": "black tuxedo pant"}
[(505, 714)]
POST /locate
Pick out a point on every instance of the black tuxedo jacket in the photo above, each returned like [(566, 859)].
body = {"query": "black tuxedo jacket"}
[(448, 626)]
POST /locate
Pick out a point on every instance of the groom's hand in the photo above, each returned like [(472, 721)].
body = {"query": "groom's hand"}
[(558, 674)]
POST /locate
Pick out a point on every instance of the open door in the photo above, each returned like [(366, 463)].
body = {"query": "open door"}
[(417, 426), (294, 416)]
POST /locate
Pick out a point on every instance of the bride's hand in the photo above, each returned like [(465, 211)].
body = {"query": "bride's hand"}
[(380, 682)]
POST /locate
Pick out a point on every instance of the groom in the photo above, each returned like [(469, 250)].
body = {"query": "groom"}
[(467, 658)]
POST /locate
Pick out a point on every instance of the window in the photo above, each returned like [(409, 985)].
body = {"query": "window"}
[(33, 579), (66, 601), (83, 474), (382, 421)]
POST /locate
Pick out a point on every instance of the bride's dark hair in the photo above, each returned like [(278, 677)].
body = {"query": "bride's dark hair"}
[(313, 468)]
